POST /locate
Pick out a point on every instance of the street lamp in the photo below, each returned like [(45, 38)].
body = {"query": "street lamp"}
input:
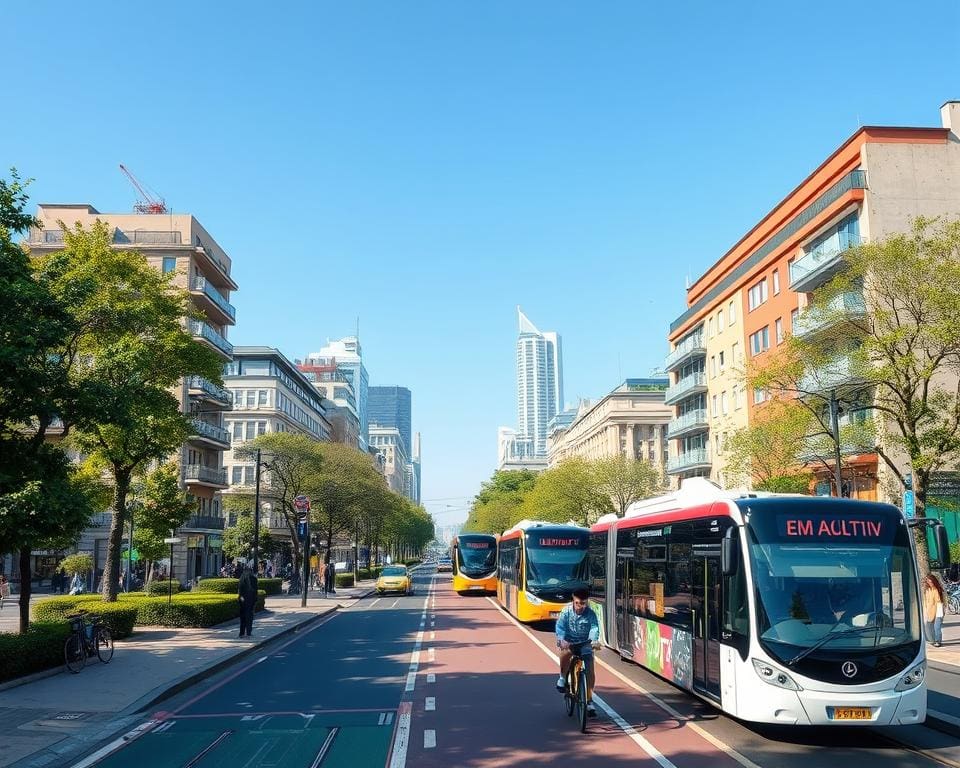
[(256, 518), (171, 540)]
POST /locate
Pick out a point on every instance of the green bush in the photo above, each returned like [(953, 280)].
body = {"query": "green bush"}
[(344, 579), (411, 561), (163, 587), (271, 586), (220, 586), (119, 617), (191, 609), (37, 649)]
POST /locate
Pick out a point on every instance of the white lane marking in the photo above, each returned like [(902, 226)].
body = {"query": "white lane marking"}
[(411, 682), (431, 704), (433, 635), (645, 745), (433, 623), (168, 725), (389, 720), (943, 716), (376, 601), (383, 716), (395, 603), (431, 678), (429, 739), (398, 759), (432, 654), (325, 747)]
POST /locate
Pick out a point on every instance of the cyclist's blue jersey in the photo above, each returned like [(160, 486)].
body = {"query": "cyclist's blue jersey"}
[(578, 628)]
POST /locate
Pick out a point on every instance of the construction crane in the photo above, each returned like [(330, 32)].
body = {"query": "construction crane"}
[(148, 203)]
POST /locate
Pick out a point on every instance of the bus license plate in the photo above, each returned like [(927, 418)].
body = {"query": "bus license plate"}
[(477, 589), (852, 713), (554, 614)]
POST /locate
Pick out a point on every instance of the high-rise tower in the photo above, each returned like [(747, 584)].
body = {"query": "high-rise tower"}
[(539, 385)]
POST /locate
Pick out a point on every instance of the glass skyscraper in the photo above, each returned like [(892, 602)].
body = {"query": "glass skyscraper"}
[(391, 407), (539, 386), (349, 361)]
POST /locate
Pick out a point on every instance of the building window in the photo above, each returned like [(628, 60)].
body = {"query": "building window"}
[(760, 341), (251, 429), (723, 402), (794, 316), (169, 263), (778, 324), (719, 321), (757, 295), (261, 397), (238, 430), (251, 397), (736, 398), (713, 366), (759, 396), (720, 356), (776, 282), (710, 328), (261, 427), (713, 406), (732, 312), (237, 476), (735, 353)]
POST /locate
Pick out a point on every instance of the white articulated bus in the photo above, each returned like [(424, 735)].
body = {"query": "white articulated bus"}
[(774, 608)]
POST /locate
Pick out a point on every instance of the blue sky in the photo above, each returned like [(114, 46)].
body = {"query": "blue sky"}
[(427, 166)]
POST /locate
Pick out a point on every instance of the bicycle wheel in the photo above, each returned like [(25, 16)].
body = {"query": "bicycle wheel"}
[(954, 604), (568, 695), (74, 654), (104, 642), (582, 699)]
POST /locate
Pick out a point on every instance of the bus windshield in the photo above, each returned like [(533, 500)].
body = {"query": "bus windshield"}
[(819, 576), (477, 554), (556, 560)]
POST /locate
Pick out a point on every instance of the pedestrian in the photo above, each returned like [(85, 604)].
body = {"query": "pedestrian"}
[(76, 586), (933, 608), (237, 570), (269, 569), (247, 594), (331, 578), (322, 576), (4, 590), (62, 580)]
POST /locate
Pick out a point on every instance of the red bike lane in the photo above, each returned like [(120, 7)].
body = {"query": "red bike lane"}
[(491, 702)]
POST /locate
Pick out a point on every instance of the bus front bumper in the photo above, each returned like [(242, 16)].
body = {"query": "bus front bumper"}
[(809, 707)]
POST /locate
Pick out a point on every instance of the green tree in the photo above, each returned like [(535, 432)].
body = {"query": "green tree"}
[(238, 538), (626, 480), (568, 491), (136, 352), (77, 563), (162, 507), (896, 351), (772, 446), (498, 505)]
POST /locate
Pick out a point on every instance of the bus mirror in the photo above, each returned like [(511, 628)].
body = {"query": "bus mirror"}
[(728, 552), (943, 545)]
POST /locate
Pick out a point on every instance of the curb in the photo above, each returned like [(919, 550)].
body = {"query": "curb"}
[(936, 722)]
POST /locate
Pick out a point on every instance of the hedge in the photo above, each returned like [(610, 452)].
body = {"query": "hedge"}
[(344, 579), (187, 609), (271, 586), (370, 573), (232, 586), (37, 649), (164, 587), (119, 617), (412, 561)]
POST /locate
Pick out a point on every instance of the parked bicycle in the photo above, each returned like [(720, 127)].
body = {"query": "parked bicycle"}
[(575, 697), (87, 638)]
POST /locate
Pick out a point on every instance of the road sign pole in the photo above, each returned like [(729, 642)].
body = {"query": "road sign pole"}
[(302, 505), (171, 541)]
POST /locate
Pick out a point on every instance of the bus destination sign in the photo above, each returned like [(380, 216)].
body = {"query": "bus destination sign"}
[(821, 527)]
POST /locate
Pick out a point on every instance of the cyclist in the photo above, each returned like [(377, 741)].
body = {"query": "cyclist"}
[(577, 626)]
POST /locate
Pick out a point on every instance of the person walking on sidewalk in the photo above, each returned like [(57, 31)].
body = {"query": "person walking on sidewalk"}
[(4, 590), (331, 578), (933, 609), (248, 600)]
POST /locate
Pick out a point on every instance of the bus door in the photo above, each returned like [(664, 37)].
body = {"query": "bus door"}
[(705, 575), (622, 603)]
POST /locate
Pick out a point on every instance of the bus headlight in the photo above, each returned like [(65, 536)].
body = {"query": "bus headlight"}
[(913, 678), (774, 676), (533, 599)]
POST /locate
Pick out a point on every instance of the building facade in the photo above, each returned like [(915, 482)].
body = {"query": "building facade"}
[(630, 421), (389, 442), (872, 186), (392, 407), (349, 361), (178, 244), (336, 387), (270, 394), (539, 384)]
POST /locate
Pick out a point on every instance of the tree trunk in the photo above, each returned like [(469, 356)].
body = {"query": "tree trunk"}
[(25, 589), (111, 571), (920, 484)]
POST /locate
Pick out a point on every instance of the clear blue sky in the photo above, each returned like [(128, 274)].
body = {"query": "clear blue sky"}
[(427, 166)]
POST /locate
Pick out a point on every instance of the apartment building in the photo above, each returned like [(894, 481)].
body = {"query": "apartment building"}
[(337, 388), (179, 244), (270, 394), (871, 186), (630, 421), (389, 442)]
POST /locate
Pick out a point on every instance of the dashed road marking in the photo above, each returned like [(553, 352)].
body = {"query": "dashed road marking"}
[(376, 601), (433, 635), (430, 705), (432, 654), (401, 740), (429, 739), (395, 603), (431, 678)]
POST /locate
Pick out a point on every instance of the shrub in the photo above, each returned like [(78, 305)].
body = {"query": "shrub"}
[(271, 586), (191, 609), (77, 563), (220, 586), (163, 587), (370, 573), (412, 561), (119, 617), (344, 579), (39, 648)]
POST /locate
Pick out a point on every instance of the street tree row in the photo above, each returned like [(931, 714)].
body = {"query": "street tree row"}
[(575, 490)]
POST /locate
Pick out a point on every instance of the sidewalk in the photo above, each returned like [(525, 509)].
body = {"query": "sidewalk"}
[(43, 720), (949, 652)]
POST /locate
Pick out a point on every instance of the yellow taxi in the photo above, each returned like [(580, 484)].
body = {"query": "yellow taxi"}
[(394, 578)]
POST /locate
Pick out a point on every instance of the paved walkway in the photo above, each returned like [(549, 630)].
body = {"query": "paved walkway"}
[(42, 720)]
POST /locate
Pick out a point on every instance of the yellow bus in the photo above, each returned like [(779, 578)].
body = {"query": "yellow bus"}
[(473, 557), (539, 566)]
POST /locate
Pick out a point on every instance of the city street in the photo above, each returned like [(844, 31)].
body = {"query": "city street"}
[(435, 679)]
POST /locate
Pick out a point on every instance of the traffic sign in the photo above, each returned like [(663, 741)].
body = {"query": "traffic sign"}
[(135, 556), (171, 540), (302, 529), (301, 504), (909, 508)]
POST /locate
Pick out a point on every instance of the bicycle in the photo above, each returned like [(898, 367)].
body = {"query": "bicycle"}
[(86, 639), (575, 696)]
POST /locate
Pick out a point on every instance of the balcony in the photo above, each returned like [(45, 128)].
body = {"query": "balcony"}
[(202, 289), (690, 347), (203, 522), (210, 433), (203, 389), (698, 458), (818, 266), (840, 373), (846, 306), (694, 421), (204, 332), (689, 385), (204, 475)]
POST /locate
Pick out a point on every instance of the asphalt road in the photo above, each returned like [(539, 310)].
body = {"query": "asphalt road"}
[(436, 679)]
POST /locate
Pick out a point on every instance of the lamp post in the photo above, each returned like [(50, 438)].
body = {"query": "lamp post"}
[(171, 540), (302, 505), (256, 518)]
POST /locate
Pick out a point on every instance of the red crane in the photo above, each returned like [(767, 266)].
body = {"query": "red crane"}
[(148, 203)]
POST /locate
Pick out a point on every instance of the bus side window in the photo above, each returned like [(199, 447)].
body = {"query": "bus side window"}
[(736, 614)]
